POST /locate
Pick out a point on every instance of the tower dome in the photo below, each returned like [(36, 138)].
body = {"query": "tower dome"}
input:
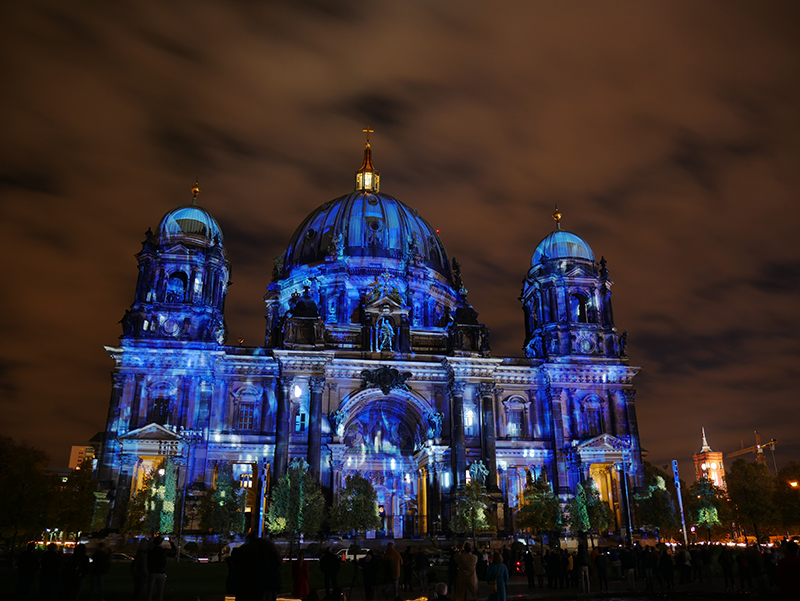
[(562, 244), (191, 224)]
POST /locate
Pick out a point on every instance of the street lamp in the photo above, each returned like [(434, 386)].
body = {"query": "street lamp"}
[(793, 484)]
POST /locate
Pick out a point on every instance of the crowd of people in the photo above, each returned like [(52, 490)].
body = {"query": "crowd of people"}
[(63, 576), (657, 568), (254, 571)]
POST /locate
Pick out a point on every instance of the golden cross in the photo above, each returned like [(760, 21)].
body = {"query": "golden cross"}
[(368, 131)]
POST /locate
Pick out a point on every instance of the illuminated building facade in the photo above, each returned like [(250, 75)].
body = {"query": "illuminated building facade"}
[(708, 464), (373, 362)]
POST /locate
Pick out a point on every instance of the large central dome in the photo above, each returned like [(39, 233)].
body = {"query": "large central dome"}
[(366, 224)]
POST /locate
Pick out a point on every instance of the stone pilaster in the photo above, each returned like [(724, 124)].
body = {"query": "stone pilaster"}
[(317, 384), (282, 432)]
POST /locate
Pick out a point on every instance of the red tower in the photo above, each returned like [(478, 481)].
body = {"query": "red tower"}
[(708, 464)]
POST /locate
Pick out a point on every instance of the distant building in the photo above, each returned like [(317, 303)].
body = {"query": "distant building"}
[(78, 454), (708, 464), (374, 362)]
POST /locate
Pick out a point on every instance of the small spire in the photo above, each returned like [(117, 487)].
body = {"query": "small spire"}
[(705, 448), (367, 177), (557, 217), (195, 190)]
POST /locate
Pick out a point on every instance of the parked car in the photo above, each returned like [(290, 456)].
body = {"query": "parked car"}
[(121, 557)]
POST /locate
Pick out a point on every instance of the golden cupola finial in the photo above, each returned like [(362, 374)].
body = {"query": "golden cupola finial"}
[(367, 177), (195, 191), (557, 217)]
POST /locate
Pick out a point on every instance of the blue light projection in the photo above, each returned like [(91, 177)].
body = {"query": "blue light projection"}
[(373, 361)]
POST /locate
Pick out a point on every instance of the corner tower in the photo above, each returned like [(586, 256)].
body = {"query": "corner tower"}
[(183, 280), (567, 301)]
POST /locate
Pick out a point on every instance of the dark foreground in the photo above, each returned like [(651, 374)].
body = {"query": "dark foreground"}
[(206, 582)]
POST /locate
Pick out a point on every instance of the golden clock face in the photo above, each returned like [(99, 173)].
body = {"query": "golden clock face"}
[(703, 466)]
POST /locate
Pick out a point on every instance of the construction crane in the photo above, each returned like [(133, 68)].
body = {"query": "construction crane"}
[(758, 449)]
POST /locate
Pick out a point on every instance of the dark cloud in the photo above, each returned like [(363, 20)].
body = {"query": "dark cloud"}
[(666, 132), (31, 180), (780, 276), (378, 110)]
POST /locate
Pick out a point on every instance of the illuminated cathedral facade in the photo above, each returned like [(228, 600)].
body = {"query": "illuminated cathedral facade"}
[(373, 362)]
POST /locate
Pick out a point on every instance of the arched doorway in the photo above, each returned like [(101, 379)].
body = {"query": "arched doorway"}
[(382, 438)]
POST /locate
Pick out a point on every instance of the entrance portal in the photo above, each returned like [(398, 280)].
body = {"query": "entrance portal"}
[(380, 440)]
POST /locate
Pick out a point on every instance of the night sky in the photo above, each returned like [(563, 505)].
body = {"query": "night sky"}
[(666, 132)]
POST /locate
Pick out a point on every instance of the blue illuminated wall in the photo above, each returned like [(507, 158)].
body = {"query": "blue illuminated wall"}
[(374, 362)]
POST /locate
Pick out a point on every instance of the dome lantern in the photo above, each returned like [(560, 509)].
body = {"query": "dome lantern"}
[(367, 177)]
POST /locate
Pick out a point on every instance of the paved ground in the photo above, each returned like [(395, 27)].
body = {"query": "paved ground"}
[(518, 591)]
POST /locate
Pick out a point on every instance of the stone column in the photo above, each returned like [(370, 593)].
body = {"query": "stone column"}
[(316, 384), (489, 435), (282, 433), (559, 460), (534, 416), (459, 455), (141, 403), (264, 425)]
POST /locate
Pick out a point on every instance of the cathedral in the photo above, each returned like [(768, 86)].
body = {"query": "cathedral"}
[(373, 362)]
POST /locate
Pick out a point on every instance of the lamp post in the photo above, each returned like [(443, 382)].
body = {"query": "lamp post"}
[(624, 483), (191, 438)]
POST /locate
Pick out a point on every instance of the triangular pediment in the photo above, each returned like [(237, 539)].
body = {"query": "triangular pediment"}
[(385, 304), (604, 442), (152, 432)]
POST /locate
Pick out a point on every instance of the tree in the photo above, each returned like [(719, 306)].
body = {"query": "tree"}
[(787, 497), (471, 510), (654, 505), (152, 507), (751, 488), (357, 510), (539, 510), (140, 519), (298, 505), (703, 504), (600, 516), (222, 508), (24, 490), (577, 511), (75, 501)]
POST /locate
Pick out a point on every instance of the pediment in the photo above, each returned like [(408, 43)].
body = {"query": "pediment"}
[(385, 304), (604, 443), (154, 432)]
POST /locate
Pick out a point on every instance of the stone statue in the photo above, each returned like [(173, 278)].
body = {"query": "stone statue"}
[(435, 420), (478, 471), (337, 419), (623, 344), (385, 334), (277, 268)]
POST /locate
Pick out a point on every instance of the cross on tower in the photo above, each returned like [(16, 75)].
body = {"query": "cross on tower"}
[(368, 131)]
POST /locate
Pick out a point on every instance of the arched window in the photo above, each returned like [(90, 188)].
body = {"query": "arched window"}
[(470, 422), (579, 308), (514, 425), (176, 287), (159, 407), (247, 400), (593, 415), (159, 411), (246, 417)]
